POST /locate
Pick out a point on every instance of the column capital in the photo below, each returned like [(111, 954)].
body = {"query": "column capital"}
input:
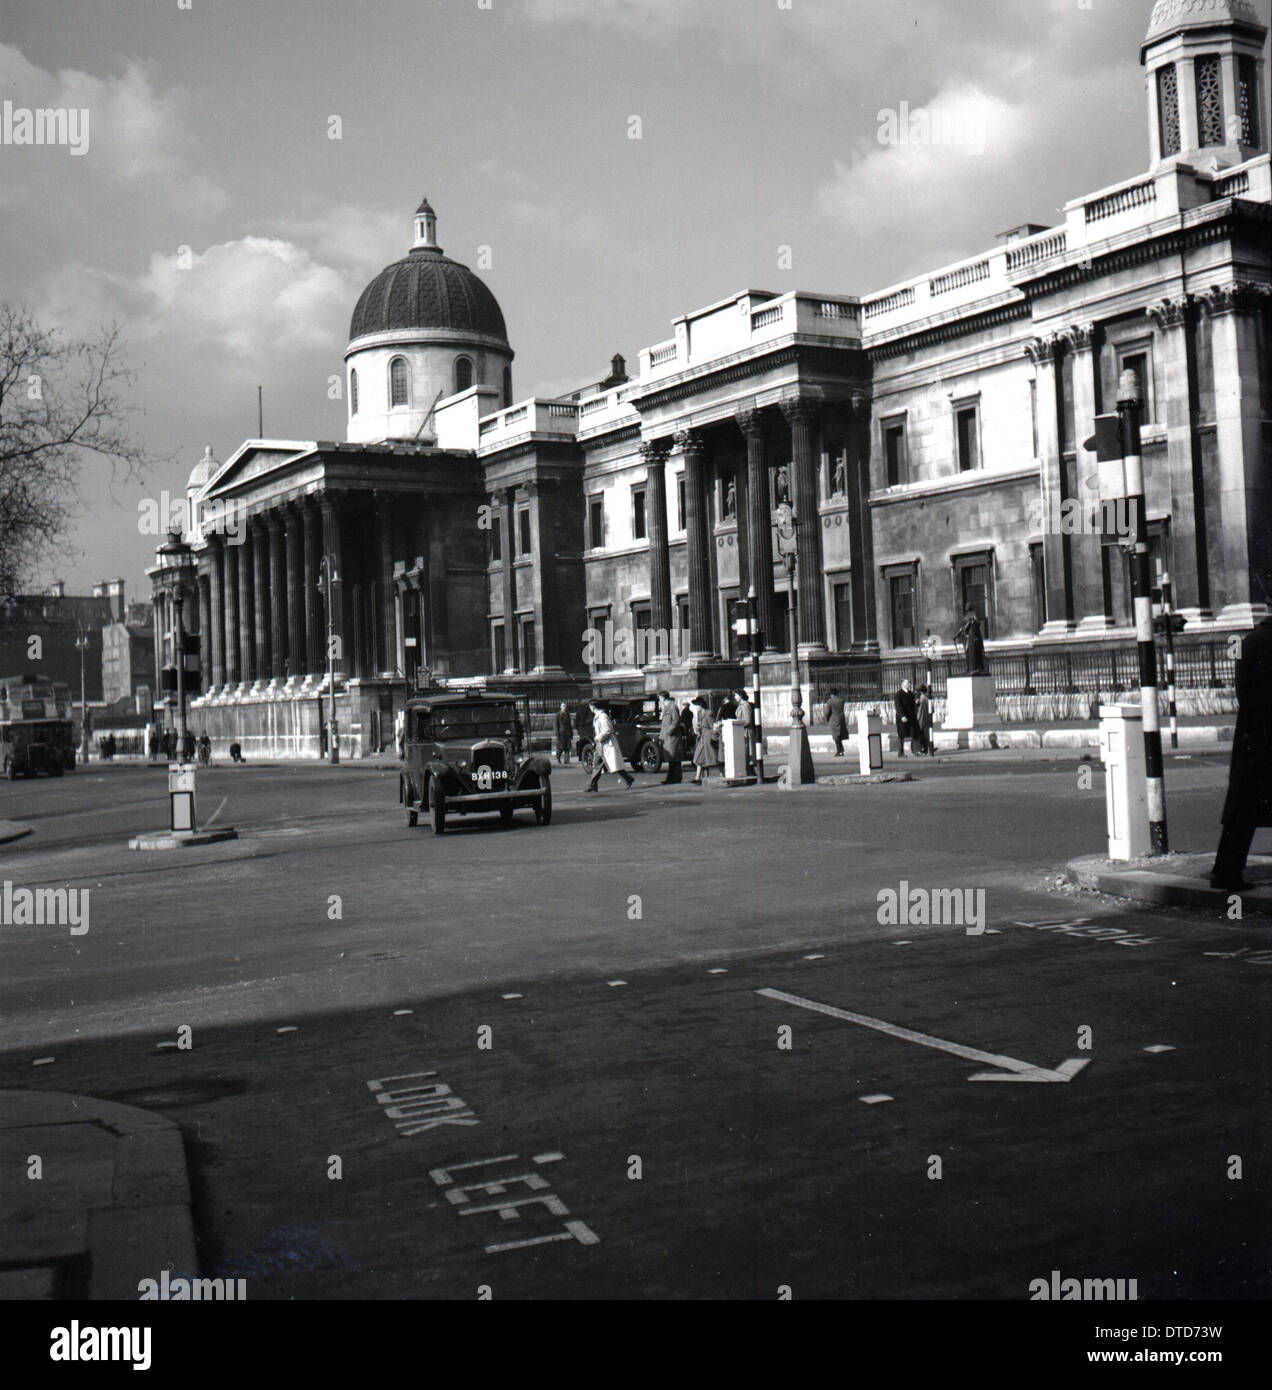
[(1240, 297), (801, 410), (688, 442), (1042, 351), (653, 452), (1170, 313), (1078, 337), (751, 422)]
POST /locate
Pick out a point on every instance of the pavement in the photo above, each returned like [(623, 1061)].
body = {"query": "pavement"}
[(98, 1197), (1175, 880)]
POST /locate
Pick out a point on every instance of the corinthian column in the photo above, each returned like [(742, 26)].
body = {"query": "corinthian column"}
[(295, 593), (260, 586), (802, 417), (689, 446), (655, 458), (247, 609), (277, 597), (759, 524)]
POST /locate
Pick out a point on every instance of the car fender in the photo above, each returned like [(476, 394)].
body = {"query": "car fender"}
[(445, 775), (537, 766)]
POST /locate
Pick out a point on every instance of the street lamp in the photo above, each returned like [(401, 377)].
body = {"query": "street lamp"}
[(326, 566), (175, 563), (81, 646), (800, 759), (758, 714)]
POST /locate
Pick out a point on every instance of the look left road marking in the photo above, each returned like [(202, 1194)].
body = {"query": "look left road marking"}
[(1010, 1068)]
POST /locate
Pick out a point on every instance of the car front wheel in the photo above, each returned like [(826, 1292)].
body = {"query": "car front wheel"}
[(543, 805), (437, 805)]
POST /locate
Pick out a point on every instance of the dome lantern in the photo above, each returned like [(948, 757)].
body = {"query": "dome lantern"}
[(426, 228)]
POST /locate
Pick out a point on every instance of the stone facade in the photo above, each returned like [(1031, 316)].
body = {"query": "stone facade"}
[(927, 439)]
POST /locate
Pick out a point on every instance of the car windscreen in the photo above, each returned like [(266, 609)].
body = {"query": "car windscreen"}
[(467, 721)]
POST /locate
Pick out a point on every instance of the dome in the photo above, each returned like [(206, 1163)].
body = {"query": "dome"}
[(427, 290), (202, 470), (1172, 16)]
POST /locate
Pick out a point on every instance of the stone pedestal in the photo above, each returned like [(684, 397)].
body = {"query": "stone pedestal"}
[(970, 703)]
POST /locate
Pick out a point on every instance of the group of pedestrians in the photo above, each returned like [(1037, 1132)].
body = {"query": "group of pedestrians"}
[(162, 743), (913, 720)]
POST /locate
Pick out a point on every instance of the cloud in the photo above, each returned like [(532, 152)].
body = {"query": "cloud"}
[(138, 136), (240, 302)]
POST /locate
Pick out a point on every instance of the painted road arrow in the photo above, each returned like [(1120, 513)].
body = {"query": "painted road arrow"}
[(1009, 1069)]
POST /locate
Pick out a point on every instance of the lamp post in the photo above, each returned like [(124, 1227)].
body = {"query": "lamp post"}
[(326, 565), (800, 759), (81, 645), (175, 563)]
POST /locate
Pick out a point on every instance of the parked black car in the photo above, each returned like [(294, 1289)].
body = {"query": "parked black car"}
[(467, 752), (636, 722)]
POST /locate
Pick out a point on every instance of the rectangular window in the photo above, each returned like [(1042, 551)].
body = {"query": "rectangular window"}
[(968, 431), (642, 617), (1139, 359), (842, 595), (1168, 109), (498, 647), (895, 453), (1038, 583), (523, 530), (596, 520), (597, 621), (496, 538), (680, 501), (638, 513), (529, 651), (1248, 98), (903, 605)]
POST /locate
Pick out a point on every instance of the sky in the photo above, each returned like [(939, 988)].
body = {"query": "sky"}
[(214, 217)]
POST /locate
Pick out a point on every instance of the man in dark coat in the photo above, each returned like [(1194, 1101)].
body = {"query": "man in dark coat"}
[(1249, 804), (835, 719), (906, 716), (671, 735)]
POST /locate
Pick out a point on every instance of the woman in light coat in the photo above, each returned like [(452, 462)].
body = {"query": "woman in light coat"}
[(706, 752)]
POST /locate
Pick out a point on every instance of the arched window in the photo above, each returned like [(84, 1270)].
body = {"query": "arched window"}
[(463, 373), (397, 381), (507, 385), (353, 391)]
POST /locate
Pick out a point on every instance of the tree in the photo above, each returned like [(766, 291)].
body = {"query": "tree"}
[(60, 403)]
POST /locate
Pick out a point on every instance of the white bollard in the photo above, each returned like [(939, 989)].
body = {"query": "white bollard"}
[(1126, 790), (869, 743)]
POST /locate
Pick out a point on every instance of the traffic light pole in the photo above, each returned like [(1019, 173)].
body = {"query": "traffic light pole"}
[(1128, 408), (758, 707)]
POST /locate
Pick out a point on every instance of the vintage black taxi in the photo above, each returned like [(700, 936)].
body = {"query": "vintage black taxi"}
[(465, 753)]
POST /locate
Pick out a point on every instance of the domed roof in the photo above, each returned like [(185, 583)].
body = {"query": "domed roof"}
[(1170, 16), (202, 470), (428, 290)]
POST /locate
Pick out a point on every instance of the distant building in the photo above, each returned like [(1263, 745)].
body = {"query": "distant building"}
[(39, 633), (128, 655), (928, 437)]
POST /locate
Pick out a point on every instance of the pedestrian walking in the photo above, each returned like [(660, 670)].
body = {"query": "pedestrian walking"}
[(671, 735), (835, 718), (608, 756), (744, 713), (906, 712), (205, 749), (923, 721), (187, 746), (152, 742), (1248, 806), (706, 752), (563, 734)]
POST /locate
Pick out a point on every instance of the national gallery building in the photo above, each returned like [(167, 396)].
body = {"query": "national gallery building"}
[(925, 438)]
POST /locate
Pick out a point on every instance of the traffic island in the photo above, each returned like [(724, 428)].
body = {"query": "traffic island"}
[(182, 839), (13, 830), (1174, 880)]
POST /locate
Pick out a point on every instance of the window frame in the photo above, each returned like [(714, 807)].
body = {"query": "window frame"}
[(959, 565), (1123, 351), (969, 405), (464, 361), (405, 403), (596, 520), (525, 533), (353, 392), (908, 569), (889, 427), (640, 512)]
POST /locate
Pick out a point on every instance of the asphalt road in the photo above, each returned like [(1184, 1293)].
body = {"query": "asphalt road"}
[(657, 1134)]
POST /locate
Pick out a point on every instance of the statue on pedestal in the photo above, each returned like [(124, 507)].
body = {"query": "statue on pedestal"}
[(969, 635)]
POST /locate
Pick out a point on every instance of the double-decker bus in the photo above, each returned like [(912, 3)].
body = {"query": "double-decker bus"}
[(36, 733)]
